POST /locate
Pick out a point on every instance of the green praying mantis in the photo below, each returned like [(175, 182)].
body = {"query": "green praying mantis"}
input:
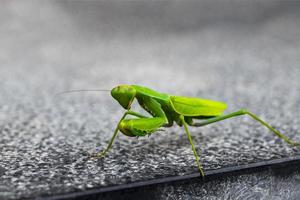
[(166, 109)]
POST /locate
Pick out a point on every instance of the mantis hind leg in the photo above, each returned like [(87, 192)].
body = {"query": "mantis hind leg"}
[(245, 112), (192, 144)]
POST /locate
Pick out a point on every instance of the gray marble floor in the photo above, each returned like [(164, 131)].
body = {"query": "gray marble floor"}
[(245, 54)]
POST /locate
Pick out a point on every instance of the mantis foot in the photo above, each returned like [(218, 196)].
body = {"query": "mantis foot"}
[(297, 144), (98, 155)]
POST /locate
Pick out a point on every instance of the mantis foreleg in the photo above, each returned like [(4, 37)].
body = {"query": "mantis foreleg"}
[(245, 112), (142, 126), (192, 144), (101, 154)]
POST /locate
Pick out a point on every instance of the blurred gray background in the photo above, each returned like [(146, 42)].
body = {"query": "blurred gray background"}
[(245, 53)]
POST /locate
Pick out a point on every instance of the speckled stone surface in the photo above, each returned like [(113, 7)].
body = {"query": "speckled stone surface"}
[(276, 183), (262, 185), (248, 59)]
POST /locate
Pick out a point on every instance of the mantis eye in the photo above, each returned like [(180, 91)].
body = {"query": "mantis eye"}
[(124, 94)]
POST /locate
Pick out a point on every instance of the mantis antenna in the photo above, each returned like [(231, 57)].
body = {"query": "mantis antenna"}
[(73, 91)]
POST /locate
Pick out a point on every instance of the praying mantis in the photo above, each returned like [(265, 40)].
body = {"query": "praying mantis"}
[(166, 109)]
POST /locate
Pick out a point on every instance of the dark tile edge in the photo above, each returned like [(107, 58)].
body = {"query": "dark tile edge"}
[(210, 175)]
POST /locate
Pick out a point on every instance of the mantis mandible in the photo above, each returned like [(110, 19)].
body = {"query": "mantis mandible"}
[(166, 109)]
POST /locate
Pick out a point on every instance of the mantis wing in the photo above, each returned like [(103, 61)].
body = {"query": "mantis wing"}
[(189, 106)]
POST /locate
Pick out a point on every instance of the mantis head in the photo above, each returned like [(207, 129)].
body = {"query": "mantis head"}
[(124, 94)]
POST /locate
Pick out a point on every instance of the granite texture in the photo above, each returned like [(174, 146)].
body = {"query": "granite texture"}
[(249, 59), (282, 183)]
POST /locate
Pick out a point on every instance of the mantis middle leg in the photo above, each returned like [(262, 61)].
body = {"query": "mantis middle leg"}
[(245, 112), (192, 144)]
